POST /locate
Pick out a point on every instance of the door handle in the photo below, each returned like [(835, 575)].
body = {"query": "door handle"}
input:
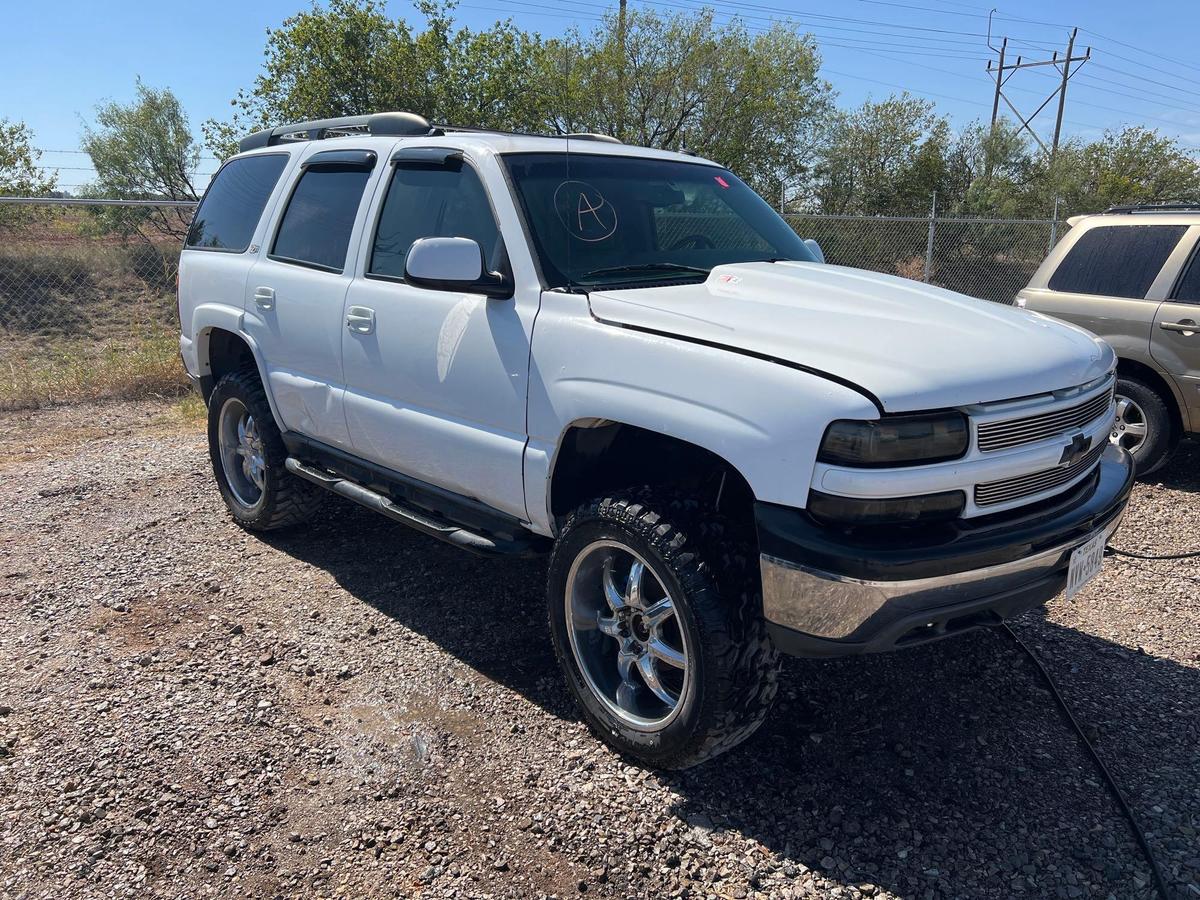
[(360, 319), (1183, 326), (264, 298)]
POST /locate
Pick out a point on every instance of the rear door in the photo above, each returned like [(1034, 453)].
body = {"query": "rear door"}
[(295, 291), (1175, 337), (1110, 282)]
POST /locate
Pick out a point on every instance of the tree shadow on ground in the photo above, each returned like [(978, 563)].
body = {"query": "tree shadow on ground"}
[(939, 771)]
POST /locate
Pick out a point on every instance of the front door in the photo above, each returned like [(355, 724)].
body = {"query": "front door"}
[(1175, 335), (295, 293), (436, 379)]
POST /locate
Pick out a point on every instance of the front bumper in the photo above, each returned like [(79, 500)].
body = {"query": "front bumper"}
[(832, 593)]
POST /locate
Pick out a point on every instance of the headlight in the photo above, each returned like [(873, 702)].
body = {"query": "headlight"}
[(895, 440), (831, 510)]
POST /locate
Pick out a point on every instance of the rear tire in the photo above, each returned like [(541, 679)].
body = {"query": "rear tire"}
[(1143, 426), (248, 457), (700, 672)]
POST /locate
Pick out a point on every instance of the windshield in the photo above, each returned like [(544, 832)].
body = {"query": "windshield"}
[(603, 220)]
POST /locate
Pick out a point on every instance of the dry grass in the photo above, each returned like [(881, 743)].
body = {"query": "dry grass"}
[(41, 372)]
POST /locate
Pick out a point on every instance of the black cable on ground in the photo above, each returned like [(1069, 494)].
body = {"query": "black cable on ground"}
[(1159, 881), (1115, 552)]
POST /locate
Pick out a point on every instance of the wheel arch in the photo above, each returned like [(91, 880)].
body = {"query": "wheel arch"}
[(595, 456), (220, 350), (1161, 385)]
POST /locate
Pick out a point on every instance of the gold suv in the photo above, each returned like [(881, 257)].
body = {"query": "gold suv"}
[(1132, 276)]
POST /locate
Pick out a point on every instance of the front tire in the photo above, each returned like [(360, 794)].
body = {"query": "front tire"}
[(1143, 426), (248, 457), (669, 661)]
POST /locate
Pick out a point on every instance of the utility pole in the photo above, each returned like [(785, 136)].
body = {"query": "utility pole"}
[(1062, 89), (1005, 70), (621, 99), (996, 99)]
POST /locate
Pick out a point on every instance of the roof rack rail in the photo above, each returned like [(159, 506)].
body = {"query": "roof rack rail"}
[(387, 123), (391, 124), (1181, 206)]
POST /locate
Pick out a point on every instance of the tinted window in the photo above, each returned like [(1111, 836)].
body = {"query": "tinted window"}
[(433, 202), (1189, 286), (316, 225), (1116, 260), (234, 203)]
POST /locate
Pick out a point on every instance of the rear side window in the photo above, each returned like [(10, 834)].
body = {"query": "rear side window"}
[(234, 203), (1188, 290), (421, 202), (1116, 260), (316, 226)]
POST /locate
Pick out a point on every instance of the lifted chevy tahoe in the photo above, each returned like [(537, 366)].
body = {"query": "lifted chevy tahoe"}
[(623, 357)]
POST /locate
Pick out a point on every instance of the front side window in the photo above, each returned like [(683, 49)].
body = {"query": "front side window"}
[(605, 219), (1188, 289), (316, 226), (441, 201), (234, 203), (1116, 260)]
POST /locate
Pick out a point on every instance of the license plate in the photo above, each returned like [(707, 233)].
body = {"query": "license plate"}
[(1085, 563)]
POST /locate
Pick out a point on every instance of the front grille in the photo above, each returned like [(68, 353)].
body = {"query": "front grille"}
[(1015, 432), (1003, 491)]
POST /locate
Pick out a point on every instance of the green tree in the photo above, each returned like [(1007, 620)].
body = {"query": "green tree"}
[(884, 157), (143, 150), (1133, 165), (20, 175), (350, 58), (752, 102)]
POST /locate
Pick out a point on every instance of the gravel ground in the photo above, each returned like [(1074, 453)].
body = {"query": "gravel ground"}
[(189, 710)]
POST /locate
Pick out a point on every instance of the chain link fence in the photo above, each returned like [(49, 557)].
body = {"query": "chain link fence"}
[(90, 279)]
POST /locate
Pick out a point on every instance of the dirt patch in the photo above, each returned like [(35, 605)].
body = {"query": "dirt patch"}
[(353, 709)]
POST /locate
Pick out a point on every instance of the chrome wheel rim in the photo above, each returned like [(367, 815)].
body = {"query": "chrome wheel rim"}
[(626, 636), (1129, 429), (242, 456)]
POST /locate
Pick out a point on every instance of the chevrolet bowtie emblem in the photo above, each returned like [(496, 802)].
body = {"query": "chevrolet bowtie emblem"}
[(1076, 450)]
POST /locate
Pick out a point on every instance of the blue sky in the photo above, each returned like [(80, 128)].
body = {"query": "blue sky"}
[(71, 54)]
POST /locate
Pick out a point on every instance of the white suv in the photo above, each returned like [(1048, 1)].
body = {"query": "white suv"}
[(625, 358)]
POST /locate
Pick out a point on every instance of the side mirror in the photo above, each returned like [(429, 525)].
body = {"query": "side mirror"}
[(452, 264), (815, 249)]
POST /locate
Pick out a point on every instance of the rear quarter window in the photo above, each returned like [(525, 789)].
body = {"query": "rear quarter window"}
[(1116, 260), (234, 203)]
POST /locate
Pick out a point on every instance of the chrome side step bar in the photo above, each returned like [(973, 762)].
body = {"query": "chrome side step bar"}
[(425, 522)]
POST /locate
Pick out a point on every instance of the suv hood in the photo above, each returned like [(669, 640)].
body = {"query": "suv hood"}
[(910, 345)]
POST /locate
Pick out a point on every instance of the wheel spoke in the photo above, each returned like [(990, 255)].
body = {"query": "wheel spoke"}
[(661, 650), (613, 596), (609, 625), (658, 613), (633, 591), (650, 675), (1137, 429), (627, 693)]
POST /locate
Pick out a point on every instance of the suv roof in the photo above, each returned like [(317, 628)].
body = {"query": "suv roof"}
[(407, 124), (1162, 213)]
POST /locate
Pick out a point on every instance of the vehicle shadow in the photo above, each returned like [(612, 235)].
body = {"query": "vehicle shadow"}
[(1183, 471), (939, 771)]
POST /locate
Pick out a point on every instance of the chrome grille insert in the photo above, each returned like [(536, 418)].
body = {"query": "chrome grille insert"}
[(993, 492), (1028, 429)]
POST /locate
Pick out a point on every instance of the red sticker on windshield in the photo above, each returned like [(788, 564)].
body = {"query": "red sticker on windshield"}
[(722, 182)]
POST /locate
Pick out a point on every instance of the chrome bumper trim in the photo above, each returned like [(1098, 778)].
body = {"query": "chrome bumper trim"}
[(827, 605)]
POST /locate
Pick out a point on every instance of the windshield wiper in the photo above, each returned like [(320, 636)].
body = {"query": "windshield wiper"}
[(646, 267)]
